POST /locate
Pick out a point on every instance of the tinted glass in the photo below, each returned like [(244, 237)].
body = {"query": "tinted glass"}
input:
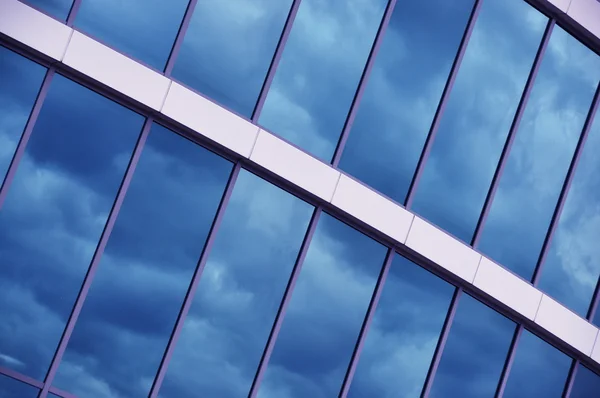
[(404, 333), (475, 352), (572, 265), (239, 293), (586, 384), (403, 92), (228, 48), (11, 388), (54, 214), (541, 153), (130, 311), (538, 370), (142, 29), (478, 115), (319, 72), (325, 313), (20, 81), (59, 9)]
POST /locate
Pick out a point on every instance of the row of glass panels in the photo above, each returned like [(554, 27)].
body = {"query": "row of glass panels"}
[(56, 209)]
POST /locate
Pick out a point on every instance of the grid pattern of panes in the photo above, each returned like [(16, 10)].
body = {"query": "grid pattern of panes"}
[(135, 262)]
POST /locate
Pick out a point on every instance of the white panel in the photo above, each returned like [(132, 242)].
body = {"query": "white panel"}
[(116, 71), (562, 5), (294, 165), (34, 28), (372, 208), (566, 325), (507, 288), (596, 350), (587, 14), (209, 119), (443, 249)]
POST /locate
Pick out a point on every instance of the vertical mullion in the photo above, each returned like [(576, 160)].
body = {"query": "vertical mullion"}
[(570, 378), (363, 82), (367, 323), (509, 361), (594, 303), (439, 349), (73, 12), (21, 146), (189, 297), (512, 132), (442, 104), (187, 16), (264, 361), (89, 277), (275, 61)]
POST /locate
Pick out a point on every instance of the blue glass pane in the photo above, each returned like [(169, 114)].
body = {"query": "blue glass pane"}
[(477, 118), (319, 72), (11, 388), (586, 384), (403, 92), (20, 81), (59, 9), (570, 272), (142, 29), (325, 314), (228, 48), (475, 352), (538, 370), (239, 293), (54, 214), (541, 154), (404, 333), (144, 274)]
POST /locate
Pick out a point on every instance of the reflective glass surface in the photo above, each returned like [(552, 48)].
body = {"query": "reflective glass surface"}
[(11, 388), (572, 265), (145, 271), (325, 314), (541, 154), (319, 72), (20, 81), (403, 334), (141, 29), (402, 93), (239, 292), (586, 384), (228, 47), (59, 9), (538, 370), (478, 115), (54, 214), (475, 352)]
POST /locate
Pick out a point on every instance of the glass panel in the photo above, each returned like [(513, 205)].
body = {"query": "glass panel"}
[(586, 384), (464, 371), (54, 214), (130, 311), (59, 9), (572, 265), (404, 333), (239, 293), (11, 388), (319, 72), (477, 118), (142, 29), (228, 48), (325, 314), (20, 81), (403, 92), (538, 370), (541, 154)]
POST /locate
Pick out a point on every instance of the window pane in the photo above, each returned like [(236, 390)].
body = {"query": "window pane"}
[(239, 293), (403, 92), (54, 214), (586, 383), (11, 388), (142, 29), (325, 313), (228, 48), (473, 129), (541, 154), (319, 72), (20, 81), (144, 274), (572, 265), (538, 371), (57, 8), (404, 333), (464, 370)]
